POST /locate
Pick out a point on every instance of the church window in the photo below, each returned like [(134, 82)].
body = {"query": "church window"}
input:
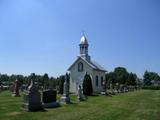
[(96, 80), (80, 67), (101, 81)]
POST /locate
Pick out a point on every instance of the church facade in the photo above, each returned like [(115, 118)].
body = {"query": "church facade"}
[(82, 65)]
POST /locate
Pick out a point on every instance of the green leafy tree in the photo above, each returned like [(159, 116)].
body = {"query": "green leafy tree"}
[(150, 78), (132, 79), (121, 75), (45, 80), (4, 78), (12, 79), (52, 83), (111, 78), (0, 80), (32, 76), (68, 78), (20, 78), (87, 85), (157, 79), (146, 78), (61, 83)]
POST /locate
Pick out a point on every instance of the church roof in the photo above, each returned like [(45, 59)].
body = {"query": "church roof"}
[(92, 64), (83, 40), (97, 66)]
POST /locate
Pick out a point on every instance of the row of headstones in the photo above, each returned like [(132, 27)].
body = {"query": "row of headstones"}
[(33, 102), (32, 98), (3, 88), (121, 89)]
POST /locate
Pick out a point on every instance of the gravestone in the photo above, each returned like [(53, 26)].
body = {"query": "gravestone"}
[(11, 88), (104, 88), (16, 89), (65, 99), (121, 88), (111, 89), (23, 87), (50, 99), (125, 88), (32, 100), (79, 96)]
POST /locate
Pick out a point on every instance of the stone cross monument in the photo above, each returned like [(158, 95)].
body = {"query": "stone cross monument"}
[(16, 89), (79, 96), (65, 98)]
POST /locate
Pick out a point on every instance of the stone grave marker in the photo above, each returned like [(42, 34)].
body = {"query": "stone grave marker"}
[(50, 99), (104, 88), (32, 100), (79, 96), (16, 89), (65, 99)]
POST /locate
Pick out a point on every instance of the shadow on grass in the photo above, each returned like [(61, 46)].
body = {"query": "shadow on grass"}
[(32, 111)]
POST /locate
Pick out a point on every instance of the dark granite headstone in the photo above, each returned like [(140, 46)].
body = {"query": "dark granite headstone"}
[(49, 99), (32, 100), (49, 96)]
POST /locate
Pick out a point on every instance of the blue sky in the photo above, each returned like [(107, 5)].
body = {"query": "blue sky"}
[(42, 36)]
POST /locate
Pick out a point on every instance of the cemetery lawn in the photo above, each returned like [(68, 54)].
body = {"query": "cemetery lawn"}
[(138, 105)]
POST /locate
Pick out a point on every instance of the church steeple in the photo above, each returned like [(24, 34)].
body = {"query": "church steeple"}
[(84, 48)]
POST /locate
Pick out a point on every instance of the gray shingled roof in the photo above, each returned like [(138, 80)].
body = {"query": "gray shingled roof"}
[(93, 64), (98, 66)]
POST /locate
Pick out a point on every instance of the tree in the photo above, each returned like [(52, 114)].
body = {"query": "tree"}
[(68, 78), (45, 80), (0, 80), (121, 75), (111, 78), (87, 85), (150, 78), (33, 76), (157, 79), (146, 78), (4, 78), (132, 79), (61, 83), (12, 78), (52, 83), (20, 78)]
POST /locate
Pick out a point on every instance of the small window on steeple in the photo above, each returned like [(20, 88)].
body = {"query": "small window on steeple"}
[(80, 67)]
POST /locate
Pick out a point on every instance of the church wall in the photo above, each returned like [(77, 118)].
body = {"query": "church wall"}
[(76, 78), (97, 89)]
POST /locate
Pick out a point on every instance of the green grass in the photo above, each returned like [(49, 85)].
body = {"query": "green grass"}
[(138, 105)]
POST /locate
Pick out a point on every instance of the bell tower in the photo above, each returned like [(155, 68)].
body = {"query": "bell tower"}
[(84, 48)]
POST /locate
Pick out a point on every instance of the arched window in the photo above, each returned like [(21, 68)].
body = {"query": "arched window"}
[(96, 80), (80, 67)]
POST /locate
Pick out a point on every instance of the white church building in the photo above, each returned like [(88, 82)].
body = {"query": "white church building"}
[(82, 65)]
